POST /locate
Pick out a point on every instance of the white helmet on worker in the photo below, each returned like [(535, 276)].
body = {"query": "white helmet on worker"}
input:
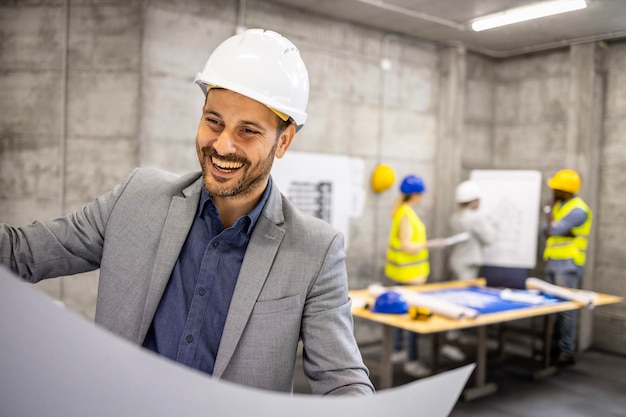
[(467, 191), (264, 66)]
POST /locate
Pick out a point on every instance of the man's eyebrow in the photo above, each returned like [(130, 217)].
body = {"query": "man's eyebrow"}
[(207, 111)]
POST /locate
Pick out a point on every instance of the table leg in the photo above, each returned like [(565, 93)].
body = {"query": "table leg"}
[(480, 388), (386, 367), (547, 369), (434, 357)]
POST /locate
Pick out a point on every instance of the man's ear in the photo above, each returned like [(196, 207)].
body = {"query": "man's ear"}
[(285, 140)]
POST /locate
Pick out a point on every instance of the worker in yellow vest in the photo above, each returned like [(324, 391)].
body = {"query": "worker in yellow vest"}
[(407, 260), (567, 231), (407, 252)]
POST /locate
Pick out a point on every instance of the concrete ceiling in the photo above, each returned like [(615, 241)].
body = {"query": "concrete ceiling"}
[(446, 21)]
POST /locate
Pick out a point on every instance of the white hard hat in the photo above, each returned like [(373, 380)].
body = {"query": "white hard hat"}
[(467, 191), (261, 65)]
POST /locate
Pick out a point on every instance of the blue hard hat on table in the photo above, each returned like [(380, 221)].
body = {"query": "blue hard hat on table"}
[(412, 184), (390, 302)]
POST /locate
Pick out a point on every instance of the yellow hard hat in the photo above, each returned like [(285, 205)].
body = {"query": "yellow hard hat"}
[(383, 178), (565, 180)]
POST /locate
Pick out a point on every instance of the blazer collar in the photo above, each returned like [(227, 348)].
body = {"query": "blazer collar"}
[(257, 262), (274, 207), (178, 221)]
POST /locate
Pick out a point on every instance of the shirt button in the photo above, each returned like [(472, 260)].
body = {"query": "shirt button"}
[(216, 244), (202, 291), (189, 338)]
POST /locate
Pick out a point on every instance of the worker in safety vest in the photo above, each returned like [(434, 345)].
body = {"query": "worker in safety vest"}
[(407, 260), (567, 231), (407, 252)]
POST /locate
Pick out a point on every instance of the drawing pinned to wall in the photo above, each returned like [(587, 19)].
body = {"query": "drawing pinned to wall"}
[(511, 200), (313, 198), (329, 187)]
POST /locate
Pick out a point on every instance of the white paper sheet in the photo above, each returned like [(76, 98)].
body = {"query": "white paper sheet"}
[(55, 363)]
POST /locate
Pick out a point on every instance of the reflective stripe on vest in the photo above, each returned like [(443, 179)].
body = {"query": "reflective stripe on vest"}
[(565, 247), (401, 266)]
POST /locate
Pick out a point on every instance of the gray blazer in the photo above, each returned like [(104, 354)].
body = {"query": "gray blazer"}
[(292, 285)]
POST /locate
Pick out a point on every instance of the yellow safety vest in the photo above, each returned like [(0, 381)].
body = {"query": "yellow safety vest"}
[(402, 266), (566, 247)]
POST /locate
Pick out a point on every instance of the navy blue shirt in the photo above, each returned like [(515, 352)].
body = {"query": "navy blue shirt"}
[(189, 321)]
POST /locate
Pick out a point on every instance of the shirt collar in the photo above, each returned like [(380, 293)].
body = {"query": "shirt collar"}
[(250, 218)]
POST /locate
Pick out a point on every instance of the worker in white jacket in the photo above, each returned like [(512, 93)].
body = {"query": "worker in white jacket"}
[(466, 257)]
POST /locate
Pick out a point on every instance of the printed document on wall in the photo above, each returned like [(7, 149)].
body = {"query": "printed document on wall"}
[(326, 186)]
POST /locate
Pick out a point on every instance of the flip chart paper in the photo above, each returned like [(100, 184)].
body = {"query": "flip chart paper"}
[(511, 200)]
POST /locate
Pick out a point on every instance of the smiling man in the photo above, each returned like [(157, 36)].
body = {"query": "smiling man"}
[(217, 270), (237, 141)]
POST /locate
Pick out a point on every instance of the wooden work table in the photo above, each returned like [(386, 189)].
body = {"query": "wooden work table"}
[(437, 324)]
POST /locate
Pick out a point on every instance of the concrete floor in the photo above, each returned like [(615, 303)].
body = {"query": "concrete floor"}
[(595, 386)]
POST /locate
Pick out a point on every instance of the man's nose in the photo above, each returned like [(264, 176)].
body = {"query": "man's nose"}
[(224, 144)]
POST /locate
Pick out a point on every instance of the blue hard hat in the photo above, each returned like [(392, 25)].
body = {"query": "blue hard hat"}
[(390, 302), (412, 184)]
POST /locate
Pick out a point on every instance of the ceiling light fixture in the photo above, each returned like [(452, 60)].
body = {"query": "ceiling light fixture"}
[(523, 13)]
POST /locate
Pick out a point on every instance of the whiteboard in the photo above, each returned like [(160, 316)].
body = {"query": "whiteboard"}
[(511, 200)]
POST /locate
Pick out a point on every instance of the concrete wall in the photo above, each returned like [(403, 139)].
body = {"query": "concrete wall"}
[(549, 111), (69, 123), (91, 91), (609, 330)]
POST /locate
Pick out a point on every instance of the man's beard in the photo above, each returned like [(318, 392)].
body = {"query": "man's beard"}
[(250, 179)]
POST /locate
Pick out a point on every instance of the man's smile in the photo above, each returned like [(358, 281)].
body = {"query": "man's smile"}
[(225, 166)]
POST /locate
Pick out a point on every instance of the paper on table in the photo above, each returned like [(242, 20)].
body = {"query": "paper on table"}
[(78, 369), (360, 302), (588, 298), (376, 289), (522, 297), (438, 306)]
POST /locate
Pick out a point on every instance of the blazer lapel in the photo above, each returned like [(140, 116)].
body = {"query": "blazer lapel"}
[(257, 262), (175, 229)]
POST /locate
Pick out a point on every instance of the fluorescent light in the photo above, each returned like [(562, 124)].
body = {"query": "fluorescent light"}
[(531, 11)]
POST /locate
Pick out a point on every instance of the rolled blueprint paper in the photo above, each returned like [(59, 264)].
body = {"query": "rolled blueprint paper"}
[(438, 306), (587, 298)]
